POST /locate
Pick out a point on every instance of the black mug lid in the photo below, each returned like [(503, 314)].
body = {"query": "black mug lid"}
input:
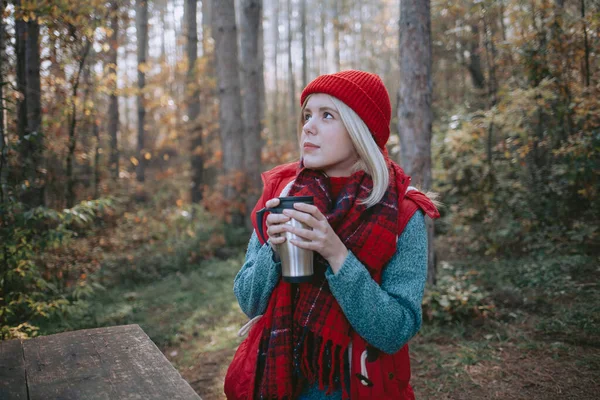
[(288, 203)]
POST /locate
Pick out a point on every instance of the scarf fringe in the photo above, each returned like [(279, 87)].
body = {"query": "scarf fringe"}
[(345, 394), (323, 362)]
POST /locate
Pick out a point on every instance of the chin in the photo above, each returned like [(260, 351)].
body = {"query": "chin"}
[(312, 164)]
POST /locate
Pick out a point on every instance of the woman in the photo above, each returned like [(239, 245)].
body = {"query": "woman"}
[(346, 334)]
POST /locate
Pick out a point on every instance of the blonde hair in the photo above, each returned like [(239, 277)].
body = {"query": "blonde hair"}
[(370, 157)]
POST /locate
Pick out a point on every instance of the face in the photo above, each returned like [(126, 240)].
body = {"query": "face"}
[(325, 143)]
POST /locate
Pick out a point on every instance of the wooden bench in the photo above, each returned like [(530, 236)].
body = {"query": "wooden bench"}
[(114, 363)]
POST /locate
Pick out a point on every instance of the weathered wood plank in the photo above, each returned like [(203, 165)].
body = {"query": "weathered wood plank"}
[(13, 385), (114, 363)]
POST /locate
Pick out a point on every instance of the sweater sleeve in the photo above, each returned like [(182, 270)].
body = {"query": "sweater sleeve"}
[(257, 278), (386, 316)]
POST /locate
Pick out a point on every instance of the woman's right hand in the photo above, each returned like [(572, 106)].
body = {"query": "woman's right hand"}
[(275, 224)]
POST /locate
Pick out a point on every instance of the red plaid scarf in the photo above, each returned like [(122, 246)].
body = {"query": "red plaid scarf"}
[(311, 344)]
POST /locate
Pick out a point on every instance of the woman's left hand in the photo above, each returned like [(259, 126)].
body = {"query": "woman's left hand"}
[(323, 238)]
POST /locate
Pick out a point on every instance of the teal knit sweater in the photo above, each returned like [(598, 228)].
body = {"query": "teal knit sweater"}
[(386, 316)]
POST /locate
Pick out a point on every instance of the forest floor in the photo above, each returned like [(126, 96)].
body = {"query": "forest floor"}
[(445, 366), (521, 358), (542, 343)]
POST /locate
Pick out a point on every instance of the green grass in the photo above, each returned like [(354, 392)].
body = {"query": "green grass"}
[(174, 308), (561, 291)]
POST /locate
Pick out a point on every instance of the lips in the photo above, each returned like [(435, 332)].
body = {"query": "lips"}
[(310, 145)]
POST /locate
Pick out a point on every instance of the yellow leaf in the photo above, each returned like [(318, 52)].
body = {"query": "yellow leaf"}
[(165, 157), (143, 68), (105, 47), (179, 202), (147, 156), (134, 161)]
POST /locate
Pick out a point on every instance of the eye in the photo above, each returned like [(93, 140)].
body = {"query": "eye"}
[(325, 114), (306, 117)]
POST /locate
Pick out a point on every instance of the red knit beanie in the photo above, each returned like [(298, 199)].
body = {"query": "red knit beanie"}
[(363, 92)]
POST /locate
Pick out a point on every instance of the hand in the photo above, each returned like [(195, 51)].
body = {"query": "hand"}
[(322, 238), (275, 225)]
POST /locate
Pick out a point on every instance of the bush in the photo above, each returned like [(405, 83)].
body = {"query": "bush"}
[(155, 244), (26, 234), (517, 181), (456, 297)]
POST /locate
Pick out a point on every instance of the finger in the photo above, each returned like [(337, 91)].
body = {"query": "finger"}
[(304, 245), (277, 219), (307, 234), (310, 209), (272, 202), (275, 240), (274, 230), (302, 217)]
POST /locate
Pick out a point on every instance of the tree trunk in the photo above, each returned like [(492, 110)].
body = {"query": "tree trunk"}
[(323, 61), (414, 101), (35, 195), (141, 20), (475, 68), (276, 132), (193, 102), (29, 108), (336, 34), (113, 106), (303, 33), (586, 47), (96, 158), (291, 79), (502, 25), (163, 25), (70, 189), (490, 51), (86, 171), (3, 141), (261, 61), (252, 70), (20, 45), (228, 81)]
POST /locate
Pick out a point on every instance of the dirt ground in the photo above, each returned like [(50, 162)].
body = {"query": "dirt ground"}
[(512, 360), (457, 370), (512, 373)]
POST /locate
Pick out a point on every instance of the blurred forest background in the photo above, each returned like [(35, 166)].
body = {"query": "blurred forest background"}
[(133, 133)]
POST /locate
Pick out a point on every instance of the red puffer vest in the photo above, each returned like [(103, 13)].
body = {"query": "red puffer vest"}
[(374, 374)]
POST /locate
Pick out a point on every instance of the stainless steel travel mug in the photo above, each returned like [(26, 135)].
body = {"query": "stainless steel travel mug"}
[(296, 263)]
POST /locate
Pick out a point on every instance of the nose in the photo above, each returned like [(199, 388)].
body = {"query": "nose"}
[(308, 127)]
